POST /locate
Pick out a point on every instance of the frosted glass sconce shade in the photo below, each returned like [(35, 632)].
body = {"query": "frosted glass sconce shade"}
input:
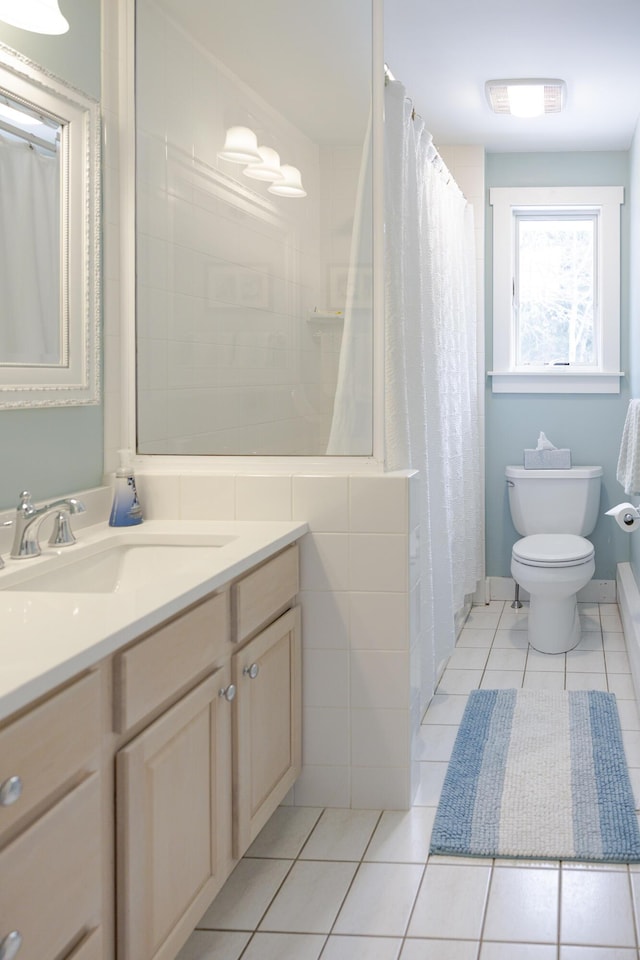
[(291, 185), (240, 146), (38, 16), (268, 168)]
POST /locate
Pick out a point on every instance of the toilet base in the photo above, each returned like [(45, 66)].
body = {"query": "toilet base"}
[(554, 624)]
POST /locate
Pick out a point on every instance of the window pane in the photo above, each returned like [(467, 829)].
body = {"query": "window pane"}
[(555, 291)]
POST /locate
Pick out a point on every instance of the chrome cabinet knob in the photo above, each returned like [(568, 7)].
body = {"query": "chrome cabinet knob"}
[(229, 693), (10, 791), (252, 671), (10, 945)]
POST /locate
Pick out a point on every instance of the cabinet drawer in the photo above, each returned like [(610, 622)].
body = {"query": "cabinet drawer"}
[(50, 745), (260, 595), (153, 670), (50, 877)]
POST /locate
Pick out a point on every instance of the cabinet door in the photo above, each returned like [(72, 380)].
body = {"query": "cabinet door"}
[(173, 794), (267, 725)]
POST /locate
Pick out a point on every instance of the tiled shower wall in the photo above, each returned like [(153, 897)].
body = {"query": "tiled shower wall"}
[(358, 583), (230, 357)]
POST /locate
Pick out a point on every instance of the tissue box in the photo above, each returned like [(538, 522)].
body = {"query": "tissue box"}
[(547, 459)]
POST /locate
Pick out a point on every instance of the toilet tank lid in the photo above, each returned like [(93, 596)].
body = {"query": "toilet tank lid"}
[(571, 473)]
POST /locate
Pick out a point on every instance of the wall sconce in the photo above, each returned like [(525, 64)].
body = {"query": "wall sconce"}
[(526, 98), (291, 185), (240, 146), (268, 168), (38, 16)]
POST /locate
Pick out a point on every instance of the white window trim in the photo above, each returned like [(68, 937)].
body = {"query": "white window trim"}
[(506, 378)]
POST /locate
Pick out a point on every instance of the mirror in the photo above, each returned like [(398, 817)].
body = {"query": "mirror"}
[(49, 239), (254, 302)]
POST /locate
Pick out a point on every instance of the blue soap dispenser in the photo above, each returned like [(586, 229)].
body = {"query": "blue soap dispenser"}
[(126, 510)]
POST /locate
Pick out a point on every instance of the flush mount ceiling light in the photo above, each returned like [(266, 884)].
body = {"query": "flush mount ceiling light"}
[(240, 146), (291, 185), (268, 168), (526, 97), (38, 16)]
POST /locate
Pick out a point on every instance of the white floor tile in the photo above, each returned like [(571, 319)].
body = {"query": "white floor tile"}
[(483, 617), (451, 901), (610, 620), (513, 638), (585, 681), (435, 742), (439, 950), (504, 659), (502, 679), (214, 945), (629, 715), (613, 640), (631, 741), (585, 661), (341, 835), (379, 902), (284, 946), (590, 641), (590, 607), (617, 661), (468, 658), (402, 836), (310, 897), (285, 833), (596, 908), (547, 662), (543, 680), (596, 953), (246, 895), (459, 681), (523, 905), (622, 686), (634, 776), (514, 619), (517, 951), (362, 948), (475, 637), (445, 709), (589, 622)]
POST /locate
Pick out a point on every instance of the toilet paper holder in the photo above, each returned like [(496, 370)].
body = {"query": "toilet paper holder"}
[(626, 516)]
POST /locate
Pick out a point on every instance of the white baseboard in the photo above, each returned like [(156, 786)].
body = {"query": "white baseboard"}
[(596, 591), (629, 603)]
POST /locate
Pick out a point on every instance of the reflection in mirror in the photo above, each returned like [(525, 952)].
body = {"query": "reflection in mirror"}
[(254, 237), (33, 332), (49, 239)]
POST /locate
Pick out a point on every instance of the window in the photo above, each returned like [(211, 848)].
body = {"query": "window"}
[(556, 289)]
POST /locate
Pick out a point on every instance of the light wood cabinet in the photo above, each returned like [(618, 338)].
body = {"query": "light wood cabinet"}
[(51, 817), (194, 728), (267, 725), (173, 802)]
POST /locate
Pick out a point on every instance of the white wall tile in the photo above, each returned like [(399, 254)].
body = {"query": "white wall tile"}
[(325, 736), (207, 498), (323, 502), (324, 562), (325, 678), (380, 738), (379, 679), (325, 620), (378, 621), (329, 786), (378, 562), (159, 497), (263, 498), (378, 504)]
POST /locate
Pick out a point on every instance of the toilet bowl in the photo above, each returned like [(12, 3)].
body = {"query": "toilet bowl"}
[(552, 568), (553, 510)]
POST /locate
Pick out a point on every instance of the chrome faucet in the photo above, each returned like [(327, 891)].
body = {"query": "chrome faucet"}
[(28, 520)]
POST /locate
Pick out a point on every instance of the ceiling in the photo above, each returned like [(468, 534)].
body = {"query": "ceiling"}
[(444, 52)]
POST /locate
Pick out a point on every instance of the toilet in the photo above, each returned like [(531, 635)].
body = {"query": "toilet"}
[(553, 510)]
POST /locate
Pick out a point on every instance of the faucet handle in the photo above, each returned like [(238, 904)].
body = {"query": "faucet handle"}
[(25, 506), (62, 534)]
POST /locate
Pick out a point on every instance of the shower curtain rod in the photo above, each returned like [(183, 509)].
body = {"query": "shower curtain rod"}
[(434, 156)]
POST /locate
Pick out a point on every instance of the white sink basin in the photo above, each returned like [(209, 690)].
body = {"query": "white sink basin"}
[(117, 567)]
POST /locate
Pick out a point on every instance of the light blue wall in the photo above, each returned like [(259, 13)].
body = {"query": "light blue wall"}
[(59, 450), (634, 306), (591, 425)]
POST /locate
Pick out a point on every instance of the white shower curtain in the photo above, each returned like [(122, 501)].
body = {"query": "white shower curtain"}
[(431, 401)]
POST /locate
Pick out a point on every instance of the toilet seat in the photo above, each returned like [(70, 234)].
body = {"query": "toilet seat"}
[(553, 550)]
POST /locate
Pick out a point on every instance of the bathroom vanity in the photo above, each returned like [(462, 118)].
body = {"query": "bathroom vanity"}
[(137, 767)]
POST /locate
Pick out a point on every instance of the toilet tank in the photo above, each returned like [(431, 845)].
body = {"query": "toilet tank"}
[(554, 501)]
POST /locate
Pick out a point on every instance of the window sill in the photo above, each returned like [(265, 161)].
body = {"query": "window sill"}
[(559, 381)]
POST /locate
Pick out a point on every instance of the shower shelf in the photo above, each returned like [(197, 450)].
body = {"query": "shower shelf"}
[(324, 316)]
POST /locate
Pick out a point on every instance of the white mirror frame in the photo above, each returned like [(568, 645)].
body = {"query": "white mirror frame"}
[(77, 380)]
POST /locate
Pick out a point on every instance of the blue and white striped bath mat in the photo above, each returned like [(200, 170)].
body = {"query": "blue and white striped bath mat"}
[(539, 774)]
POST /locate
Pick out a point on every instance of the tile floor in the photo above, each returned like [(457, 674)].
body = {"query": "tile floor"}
[(359, 885)]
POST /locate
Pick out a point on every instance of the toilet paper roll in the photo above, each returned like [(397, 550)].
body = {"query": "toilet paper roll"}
[(626, 516)]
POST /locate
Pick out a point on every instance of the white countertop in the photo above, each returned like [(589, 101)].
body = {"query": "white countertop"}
[(46, 638)]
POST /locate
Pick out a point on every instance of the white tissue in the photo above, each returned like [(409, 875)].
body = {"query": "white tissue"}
[(626, 516), (544, 444)]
